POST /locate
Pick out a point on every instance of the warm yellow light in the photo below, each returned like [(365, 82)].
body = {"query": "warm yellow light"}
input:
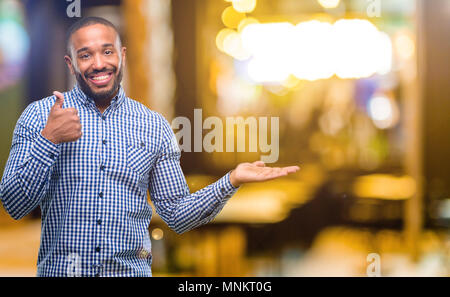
[(245, 22), (244, 6), (257, 206), (221, 37), (312, 56), (323, 17), (384, 186), (329, 3), (404, 46), (267, 45), (157, 234), (232, 45), (383, 46), (361, 50), (291, 82), (231, 18), (269, 39), (235, 94), (311, 50)]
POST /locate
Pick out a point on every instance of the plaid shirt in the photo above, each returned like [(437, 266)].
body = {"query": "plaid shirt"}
[(93, 192)]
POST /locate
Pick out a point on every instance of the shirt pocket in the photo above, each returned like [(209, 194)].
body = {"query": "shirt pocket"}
[(139, 158)]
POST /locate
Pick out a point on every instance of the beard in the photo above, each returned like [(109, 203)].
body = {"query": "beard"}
[(101, 95)]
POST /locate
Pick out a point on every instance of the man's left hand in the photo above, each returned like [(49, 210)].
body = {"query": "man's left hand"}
[(258, 172)]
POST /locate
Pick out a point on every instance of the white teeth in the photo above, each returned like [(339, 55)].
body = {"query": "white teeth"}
[(101, 77)]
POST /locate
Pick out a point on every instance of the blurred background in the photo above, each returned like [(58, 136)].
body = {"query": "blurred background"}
[(362, 92)]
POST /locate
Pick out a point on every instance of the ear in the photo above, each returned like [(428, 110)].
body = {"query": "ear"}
[(124, 55), (69, 64)]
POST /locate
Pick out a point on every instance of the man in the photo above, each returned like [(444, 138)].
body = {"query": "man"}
[(88, 156)]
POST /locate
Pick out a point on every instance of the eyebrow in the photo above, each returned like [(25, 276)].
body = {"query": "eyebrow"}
[(87, 48)]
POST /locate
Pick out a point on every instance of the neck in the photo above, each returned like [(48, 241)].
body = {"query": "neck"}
[(102, 104)]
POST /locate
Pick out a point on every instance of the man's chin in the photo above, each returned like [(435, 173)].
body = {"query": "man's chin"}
[(103, 94), (98, 93)]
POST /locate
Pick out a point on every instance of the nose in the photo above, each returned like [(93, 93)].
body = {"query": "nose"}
[(99, 63)]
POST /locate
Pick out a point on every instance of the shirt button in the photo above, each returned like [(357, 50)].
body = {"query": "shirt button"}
[(104, 141), (51, 155), (223, 190), (142, 144), (103, 118), (97, 249), (100, 194), (102, 168), (99, 222)]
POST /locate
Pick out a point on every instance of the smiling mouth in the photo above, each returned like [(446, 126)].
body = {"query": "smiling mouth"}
[(100, 79)]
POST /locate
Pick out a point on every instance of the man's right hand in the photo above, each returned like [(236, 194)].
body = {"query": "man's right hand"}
[(63, 124)]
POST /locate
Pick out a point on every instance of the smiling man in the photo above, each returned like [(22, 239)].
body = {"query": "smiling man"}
[(88, 157)]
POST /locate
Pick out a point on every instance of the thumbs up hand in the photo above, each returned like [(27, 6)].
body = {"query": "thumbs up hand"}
[(63, 124)]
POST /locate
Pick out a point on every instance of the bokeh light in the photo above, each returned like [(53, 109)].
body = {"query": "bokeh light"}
[(312, 50), (329, 3), (385, 186), (157, 234), (232, 45), (14, 43), (404, 45), (231, 18), (269, 45), (220, 38), (244, 6), (383, 111), (312, 46), (360, 48), (245, 22)]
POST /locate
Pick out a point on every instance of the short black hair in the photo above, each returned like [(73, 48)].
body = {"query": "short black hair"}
[(85, 22)]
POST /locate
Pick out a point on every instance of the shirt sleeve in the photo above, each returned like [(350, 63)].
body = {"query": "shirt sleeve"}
[(181, 210), (28, 169)]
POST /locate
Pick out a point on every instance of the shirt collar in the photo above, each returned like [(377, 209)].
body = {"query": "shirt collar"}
[(115, 102)]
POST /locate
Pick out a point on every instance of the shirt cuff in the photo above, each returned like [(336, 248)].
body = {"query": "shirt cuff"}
[(44, 150), (224, 188)]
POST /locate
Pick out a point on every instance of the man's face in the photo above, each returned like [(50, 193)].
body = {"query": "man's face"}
[(97, 61)]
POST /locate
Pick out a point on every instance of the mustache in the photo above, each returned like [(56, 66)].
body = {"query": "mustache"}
[(113, 69)]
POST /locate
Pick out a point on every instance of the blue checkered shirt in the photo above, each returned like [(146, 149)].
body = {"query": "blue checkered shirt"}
[(93, 192)]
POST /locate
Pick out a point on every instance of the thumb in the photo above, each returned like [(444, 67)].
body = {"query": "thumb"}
[(259, 163), (59, 99)]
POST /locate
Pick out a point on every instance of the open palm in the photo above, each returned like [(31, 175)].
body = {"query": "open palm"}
[(258, 172)]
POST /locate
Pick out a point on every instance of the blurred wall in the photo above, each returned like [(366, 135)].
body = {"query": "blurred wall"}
[(435, 73)]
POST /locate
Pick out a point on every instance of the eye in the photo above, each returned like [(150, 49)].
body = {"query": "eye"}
[(108, 52), (84, 56)]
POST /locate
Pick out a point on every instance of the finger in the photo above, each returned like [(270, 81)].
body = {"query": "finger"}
[(276, 172), (259, 163), (291, 169), (59, 99), (72, 110)]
